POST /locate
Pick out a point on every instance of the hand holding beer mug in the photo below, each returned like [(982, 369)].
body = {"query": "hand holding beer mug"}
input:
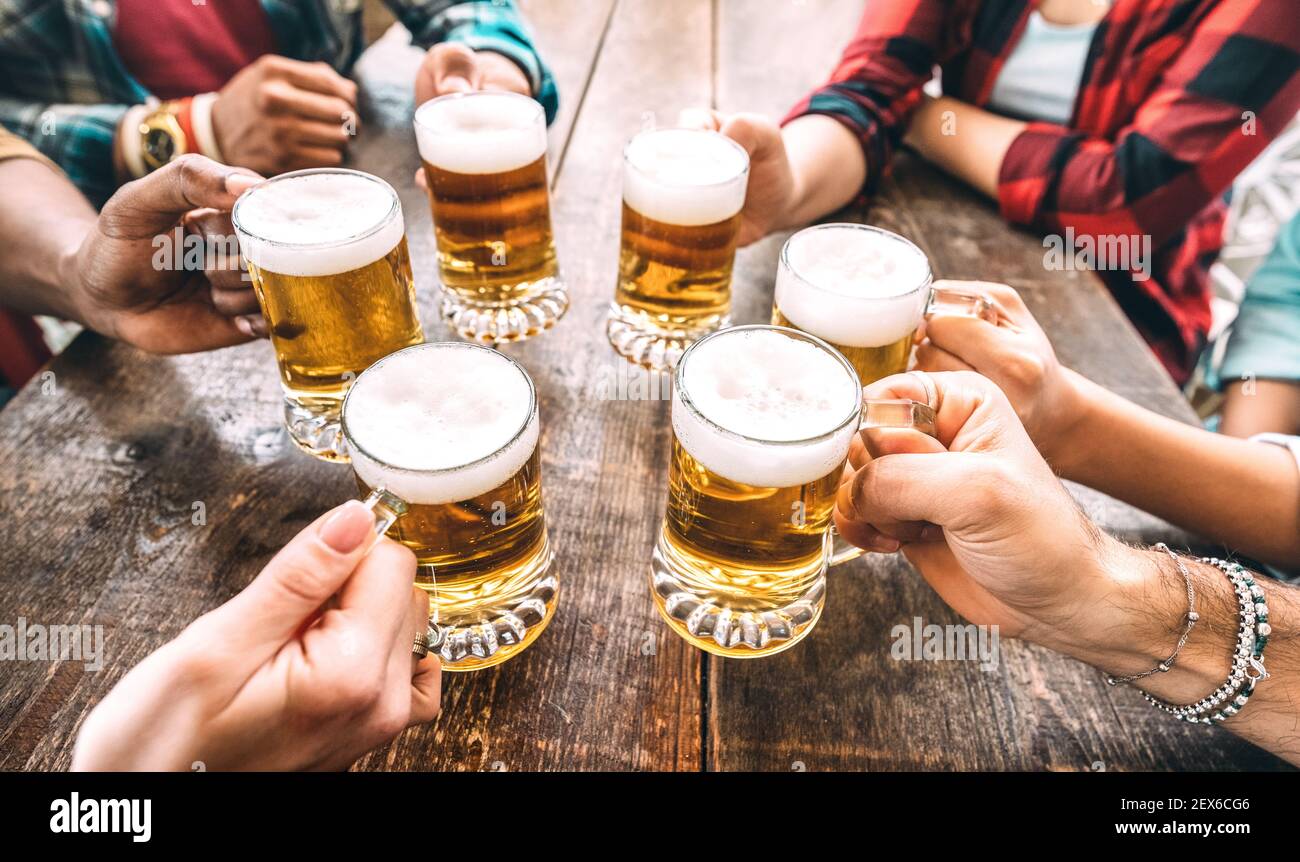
[(484, 156), (866, 291), (978, 512), (327, 253), (443, 437), (1016, 355), (683, 190)]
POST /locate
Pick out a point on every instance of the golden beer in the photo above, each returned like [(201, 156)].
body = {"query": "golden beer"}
[(762, 422), (865, 291), (683, 191), (451, 430), (484, 158), (326, 251), (871, 363)]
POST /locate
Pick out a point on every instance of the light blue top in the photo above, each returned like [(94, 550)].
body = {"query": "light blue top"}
[(1040, 79), (1264, 343)]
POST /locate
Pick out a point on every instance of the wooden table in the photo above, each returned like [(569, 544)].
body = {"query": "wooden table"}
[(101, 473)]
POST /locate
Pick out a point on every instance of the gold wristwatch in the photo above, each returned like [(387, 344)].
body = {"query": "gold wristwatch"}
[(161, 137)]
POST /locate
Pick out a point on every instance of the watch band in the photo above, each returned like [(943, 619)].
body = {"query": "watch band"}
[(205, 138), (132, 146)]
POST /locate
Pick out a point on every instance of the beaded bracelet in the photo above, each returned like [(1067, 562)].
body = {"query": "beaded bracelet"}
[(1248, 659)]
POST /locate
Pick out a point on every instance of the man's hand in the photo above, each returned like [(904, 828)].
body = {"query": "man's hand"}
[(308, 668), (128, 284), (280, 115), (977, 511)]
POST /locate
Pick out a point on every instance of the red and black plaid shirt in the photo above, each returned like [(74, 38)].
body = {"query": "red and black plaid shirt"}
[(1177, 98)]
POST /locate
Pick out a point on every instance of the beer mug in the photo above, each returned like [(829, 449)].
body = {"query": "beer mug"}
[(762, 420), (865, 291), (683, 190), (443, 439), (484, 157), (326, 251)]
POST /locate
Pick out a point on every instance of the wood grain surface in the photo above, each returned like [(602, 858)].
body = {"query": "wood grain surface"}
[(106, 459)]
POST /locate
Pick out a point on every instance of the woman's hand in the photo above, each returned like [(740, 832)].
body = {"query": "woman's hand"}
[(977, 511), (308, 668), (1015, 354)]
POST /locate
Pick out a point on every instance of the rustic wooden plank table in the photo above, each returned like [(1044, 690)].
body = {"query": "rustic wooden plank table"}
[(104, 459)]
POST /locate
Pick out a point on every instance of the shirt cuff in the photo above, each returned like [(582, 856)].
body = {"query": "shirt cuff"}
[(1027, 170)]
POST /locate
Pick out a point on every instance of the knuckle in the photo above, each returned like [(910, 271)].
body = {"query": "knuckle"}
[(358, 692)]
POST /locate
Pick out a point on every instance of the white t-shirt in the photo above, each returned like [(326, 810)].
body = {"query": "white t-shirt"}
[(1040, 78)]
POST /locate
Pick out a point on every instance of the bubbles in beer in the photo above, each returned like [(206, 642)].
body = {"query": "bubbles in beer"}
[(316, 224), (426, 417), (774, 390)]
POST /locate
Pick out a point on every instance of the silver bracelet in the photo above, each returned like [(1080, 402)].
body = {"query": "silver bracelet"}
[(1192, 617), (1248, 659)]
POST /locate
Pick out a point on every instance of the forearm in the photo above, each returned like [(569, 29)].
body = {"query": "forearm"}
[(1244, 494), (1136, 626), (965, 141), (828, 167), (44, 220), (1261, 406)]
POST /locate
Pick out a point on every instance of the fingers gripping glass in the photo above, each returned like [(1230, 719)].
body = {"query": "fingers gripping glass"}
[(886, 413)]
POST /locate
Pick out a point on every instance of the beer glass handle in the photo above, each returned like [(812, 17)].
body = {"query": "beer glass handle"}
[(960, 303), (885, 413), (386, 508)]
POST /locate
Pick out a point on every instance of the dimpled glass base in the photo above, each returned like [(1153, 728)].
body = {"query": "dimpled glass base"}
[(639, 339), (537, 309), (313, 426), (724, 631), (496, 634)]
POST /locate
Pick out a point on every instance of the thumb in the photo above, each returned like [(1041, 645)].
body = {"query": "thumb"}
[(289, 592), (157, 201), (935, 488), (455, 68)]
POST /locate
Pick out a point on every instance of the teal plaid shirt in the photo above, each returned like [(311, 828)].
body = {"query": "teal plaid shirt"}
[(64, 88)]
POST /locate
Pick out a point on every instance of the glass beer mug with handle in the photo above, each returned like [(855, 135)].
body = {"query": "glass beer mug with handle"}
[(326, 251), (864, 290), (484, 157), (444, 438), (683, 190), (762, 420)]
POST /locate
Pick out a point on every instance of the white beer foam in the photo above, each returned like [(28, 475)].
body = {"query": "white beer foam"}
[(318, 223), (483, 133), (440, 407), (767, 386), (685, 176), (859, 288)]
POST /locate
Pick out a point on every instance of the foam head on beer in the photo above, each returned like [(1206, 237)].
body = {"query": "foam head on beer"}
[(314, 224), (789, 399), (441, 422), (853, 286), (685, 176), (481, 133)]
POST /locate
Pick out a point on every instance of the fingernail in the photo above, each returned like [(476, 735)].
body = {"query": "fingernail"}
[(238, 183), (347, 528), (456, 84), (244, 325), (884, 545)]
